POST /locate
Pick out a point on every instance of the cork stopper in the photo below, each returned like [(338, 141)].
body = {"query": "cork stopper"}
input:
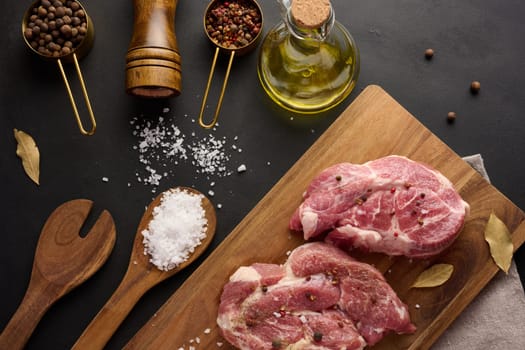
[(310, 14)]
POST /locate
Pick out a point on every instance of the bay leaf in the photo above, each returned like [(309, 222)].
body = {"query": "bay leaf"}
[(499, 239), (27, 150), (434, 276)]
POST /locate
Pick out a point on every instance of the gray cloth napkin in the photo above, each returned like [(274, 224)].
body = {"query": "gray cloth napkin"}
[(496, 317)]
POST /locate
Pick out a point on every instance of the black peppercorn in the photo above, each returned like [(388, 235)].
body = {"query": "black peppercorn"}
[(28, 33), (52, 24), (318, 336), (42, 11), (429, 53), (475, 86), (60, 11)]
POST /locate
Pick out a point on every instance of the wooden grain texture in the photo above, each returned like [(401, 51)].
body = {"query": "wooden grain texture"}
[(373, 126), (153, 62), (63, 260), (140, 277)]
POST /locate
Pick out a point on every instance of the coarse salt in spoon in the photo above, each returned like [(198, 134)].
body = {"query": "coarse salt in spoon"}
[(150, 262)]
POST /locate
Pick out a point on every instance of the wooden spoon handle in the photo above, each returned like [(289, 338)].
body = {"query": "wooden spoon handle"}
[(40, 295), (113, 313)]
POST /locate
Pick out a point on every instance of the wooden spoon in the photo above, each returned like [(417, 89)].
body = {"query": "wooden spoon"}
[(141, 276), (63, 260)]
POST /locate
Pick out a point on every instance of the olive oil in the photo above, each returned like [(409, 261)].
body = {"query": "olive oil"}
[(308, 70)]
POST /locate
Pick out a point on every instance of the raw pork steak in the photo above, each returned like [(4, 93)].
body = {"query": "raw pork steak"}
[(321, 298), (391, 205)]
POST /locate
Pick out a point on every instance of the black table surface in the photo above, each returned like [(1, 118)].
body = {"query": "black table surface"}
[(472, 40)]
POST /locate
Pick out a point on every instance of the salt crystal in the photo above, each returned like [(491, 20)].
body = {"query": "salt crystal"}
[(161, 145), (207, 331), (417, 306), (165, 110), (178, 226), (197, 340), (220, 344), (105, 179), (211, 193), (303, 319), (241, 168), (219, 206)]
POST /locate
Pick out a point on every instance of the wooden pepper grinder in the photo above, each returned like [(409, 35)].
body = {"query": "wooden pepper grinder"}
[(153, 61)]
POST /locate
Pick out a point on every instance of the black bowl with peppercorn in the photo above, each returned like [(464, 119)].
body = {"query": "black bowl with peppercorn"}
[(234, 25), (58, 28)]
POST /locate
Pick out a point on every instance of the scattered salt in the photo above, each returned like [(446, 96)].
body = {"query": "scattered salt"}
[(209, 156), (160, 142), (162, 146), (177, 228), (241, 168)]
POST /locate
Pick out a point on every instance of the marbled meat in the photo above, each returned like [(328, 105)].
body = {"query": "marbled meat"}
[(391, 205), (321, 298)]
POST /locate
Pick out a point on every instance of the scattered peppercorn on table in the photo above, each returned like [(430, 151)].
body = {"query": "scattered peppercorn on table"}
[(456, 67)]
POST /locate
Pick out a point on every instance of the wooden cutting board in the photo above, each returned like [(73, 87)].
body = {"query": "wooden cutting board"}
[(373, 126)]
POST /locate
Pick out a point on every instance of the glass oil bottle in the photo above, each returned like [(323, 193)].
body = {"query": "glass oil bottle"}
[(309, 62)]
